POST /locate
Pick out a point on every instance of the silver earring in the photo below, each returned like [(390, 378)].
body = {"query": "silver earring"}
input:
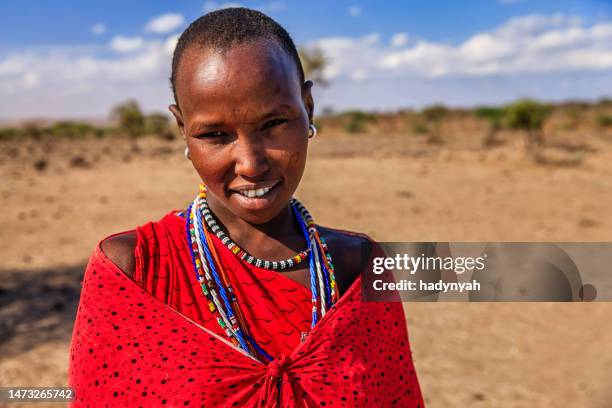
[(312, 131), (187, 153)]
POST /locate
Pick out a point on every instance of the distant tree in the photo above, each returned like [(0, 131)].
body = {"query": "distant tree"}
[(573, 116), (130, 119), (493, 115), (435, 112), (32, 130), (314, 63), (71, 129), (157, 124), (356, 121), (604, 102), (433, 115), (529, 116), (603, 120), (10, 133)]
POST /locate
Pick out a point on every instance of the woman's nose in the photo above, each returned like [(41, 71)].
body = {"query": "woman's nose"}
[(250, 157)]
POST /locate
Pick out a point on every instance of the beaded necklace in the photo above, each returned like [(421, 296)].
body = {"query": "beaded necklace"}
[(244, 255), (215, 283)]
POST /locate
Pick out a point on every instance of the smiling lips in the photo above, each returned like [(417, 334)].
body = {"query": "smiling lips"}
[(257, 190)]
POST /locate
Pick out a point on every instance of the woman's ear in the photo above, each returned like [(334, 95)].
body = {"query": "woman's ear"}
[(178, 116), (307, 99)]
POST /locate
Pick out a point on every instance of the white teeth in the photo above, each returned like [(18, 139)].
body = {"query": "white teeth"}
[(256, 193)]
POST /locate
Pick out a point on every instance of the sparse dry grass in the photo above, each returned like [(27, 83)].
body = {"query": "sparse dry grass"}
[(391, 185)]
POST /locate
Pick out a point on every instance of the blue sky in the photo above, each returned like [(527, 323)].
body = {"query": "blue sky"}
[(74, 58)]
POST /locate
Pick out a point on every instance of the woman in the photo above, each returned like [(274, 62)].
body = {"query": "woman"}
[(239, 300)]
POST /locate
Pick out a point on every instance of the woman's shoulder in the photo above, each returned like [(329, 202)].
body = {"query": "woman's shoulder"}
[(350, 236), (345, 240), (350, 251), (120, 248)]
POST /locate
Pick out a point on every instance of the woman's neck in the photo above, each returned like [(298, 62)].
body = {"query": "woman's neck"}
[(276, 239)]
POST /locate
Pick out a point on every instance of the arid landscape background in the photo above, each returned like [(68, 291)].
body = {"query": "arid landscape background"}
[(406, 176)]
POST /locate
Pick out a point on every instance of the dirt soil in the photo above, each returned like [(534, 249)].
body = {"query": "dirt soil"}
[(60, 198)]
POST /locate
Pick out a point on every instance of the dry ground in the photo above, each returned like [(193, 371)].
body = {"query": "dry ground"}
[(392, 187)]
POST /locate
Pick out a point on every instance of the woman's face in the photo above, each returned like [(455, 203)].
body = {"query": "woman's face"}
[(244, 115)]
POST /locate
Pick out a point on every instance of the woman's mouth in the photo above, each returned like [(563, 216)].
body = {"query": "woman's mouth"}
[(256, 197), (260, 192)]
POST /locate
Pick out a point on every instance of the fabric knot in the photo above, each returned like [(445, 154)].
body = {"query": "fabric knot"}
[(276, 367)]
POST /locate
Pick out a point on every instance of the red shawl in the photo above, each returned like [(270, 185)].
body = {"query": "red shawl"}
[(151, 341)]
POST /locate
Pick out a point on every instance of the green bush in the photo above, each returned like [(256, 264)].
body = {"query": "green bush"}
[(10, 133), (357, 121), (573, 116), (529, 116), (32, 130), (420, 128), (604, 102), (71, 130), (130, 118), (492, 114), (603, 120), (156, 124), (434, 113), (99, 133), (526, 114)]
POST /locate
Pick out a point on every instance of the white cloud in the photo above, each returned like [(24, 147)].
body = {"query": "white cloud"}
[(98, 29), (137, 60), (345, 55), (63, 83), (11, 65), (399, 40), (165, 23), (359, 75), (354, 11), (486, 46), (214, 5), (126, 44), (170, 43), (536, 23), (520, 56), (523, 45), (30, 80)]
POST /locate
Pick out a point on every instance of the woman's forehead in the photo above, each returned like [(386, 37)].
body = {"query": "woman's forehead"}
[(248, 78)]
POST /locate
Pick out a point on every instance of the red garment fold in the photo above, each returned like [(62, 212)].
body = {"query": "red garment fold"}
[(131, 348)]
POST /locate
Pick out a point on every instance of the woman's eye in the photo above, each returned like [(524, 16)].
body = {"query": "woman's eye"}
[(274, 122), (211, 135)]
